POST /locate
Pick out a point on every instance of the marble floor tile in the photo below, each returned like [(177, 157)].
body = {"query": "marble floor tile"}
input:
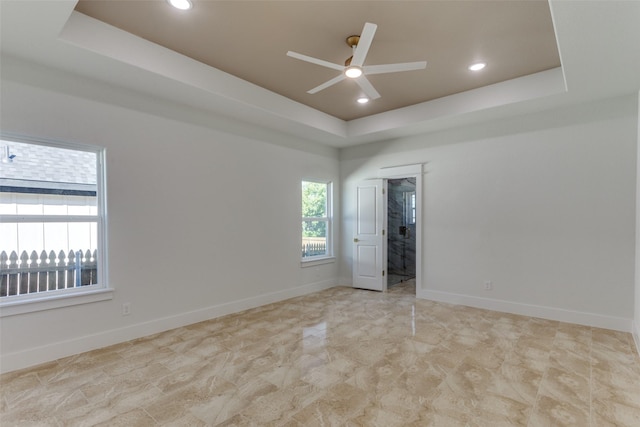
[(549, 411), (135, 417), (342, 357)]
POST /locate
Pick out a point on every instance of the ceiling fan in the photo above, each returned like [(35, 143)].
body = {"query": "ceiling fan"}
[(354, 66)]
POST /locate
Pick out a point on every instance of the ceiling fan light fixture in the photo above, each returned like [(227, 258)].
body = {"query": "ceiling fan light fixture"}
[(353, 72), (362, 100), (477, 66), (354, 67), (181, 4)]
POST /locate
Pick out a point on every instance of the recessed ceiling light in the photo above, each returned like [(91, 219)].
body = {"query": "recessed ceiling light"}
[(363, 100), (181, 4), (477, 66)]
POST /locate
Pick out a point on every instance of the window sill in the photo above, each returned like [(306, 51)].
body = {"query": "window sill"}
[(57, 300), (317, 261)]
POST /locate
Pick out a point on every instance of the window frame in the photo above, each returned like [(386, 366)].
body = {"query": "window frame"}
[(410, 207), (328, 220), (19, 304)]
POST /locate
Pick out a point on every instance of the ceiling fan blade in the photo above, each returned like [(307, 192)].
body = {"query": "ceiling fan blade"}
[(326, 84), (367, 87), (316, 61), (364, 44), (393, 68)]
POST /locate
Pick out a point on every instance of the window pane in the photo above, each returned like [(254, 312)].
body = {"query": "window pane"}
[(7, 204), (44, 180), (45, 164), (48, 256), (8, 237), (314, 229), (314, 238), (409, 198), (314, 199), (413, 208), (316, 219), (46, 204), (31, 207), (57, 252), (54, 204), (50, 236), (30, 237)]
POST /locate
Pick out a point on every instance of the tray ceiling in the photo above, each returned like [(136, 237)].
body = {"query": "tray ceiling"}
[(249, 40)]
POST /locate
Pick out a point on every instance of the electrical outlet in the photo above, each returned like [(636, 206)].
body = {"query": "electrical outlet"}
[(126, 308), (488, 285)]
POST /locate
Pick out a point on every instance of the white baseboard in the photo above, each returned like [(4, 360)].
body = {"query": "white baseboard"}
[(35, 356), (550, 313)]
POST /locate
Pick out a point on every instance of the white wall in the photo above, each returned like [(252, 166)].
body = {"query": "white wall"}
[(636, 323), (542, 205), (201, 222)]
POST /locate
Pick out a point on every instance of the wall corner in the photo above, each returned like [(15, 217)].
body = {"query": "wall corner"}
[(636, 317)]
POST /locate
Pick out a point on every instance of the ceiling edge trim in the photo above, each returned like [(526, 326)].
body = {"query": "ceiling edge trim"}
[(96, 36), (533, 86)]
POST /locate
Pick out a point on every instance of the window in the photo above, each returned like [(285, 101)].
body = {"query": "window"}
[(316, 220), (409, 198), (52, 229)]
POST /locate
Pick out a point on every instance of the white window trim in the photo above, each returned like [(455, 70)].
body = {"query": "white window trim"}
[(317, 260), (329, 256), (29, 303), (54, 299)]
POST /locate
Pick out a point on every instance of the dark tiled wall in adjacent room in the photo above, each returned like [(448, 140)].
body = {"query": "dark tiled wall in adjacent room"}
[(401, 247)]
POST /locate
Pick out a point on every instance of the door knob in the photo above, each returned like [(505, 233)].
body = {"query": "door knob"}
[(355, 240)]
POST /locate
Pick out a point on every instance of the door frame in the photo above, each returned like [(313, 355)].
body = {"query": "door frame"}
[(410, 171)]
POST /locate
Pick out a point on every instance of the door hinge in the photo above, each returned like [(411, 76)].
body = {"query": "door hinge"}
[(383, 232), (382, 273), (383, 191)]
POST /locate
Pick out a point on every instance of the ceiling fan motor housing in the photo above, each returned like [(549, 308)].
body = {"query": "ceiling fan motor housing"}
[(352, 41)]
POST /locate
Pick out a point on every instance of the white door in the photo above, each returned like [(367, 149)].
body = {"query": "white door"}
[(369, 241)]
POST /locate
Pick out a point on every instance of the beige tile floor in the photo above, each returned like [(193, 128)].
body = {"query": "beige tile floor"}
[(342, 357)]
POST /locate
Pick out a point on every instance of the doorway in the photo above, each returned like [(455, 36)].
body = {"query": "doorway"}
[(370, 237), (401, 224)]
